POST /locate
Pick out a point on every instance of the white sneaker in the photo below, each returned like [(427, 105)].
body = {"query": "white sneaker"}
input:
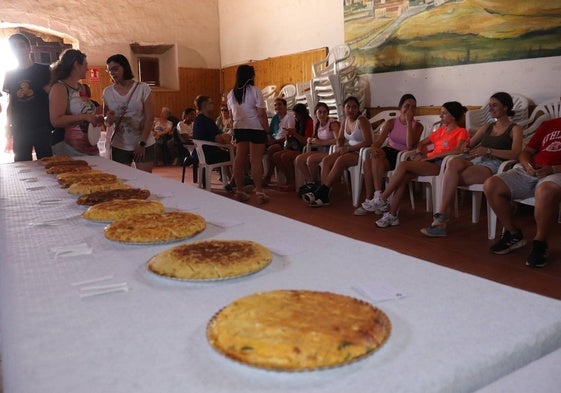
[(379, 206), (364, 209), (387, 220)]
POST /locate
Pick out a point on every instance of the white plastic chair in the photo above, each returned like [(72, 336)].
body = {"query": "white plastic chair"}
[(552, 110), (206, 169), (268, 91)]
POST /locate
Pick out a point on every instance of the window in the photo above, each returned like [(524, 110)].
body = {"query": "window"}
[(149, 70)]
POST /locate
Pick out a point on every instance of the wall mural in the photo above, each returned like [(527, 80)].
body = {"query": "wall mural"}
[(393, 35)]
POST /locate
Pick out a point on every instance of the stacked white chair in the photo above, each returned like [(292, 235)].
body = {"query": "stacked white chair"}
[(336, 78), (269, 98), (288, 92)]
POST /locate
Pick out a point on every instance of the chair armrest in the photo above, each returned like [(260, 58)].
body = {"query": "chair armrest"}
[(404, 155), (200, 142), (506, 165)]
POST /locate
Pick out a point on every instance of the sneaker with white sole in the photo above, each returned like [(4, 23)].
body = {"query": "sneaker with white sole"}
[(387, 220), (435, 231), (365, 208), (378, 205), (510, 241), (538, 255)]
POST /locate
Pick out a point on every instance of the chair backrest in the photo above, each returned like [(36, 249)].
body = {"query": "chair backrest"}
[(552, 109), (529, 132), (268, 91), (288, 91)]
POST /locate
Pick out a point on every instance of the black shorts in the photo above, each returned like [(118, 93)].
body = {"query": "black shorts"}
[(253, 136), (126, 156), (391, 155)]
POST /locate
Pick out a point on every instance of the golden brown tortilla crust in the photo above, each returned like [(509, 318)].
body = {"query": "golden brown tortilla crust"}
[(298, 329)]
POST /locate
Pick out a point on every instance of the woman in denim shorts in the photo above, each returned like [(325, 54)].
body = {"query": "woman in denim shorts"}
[(490, 145)]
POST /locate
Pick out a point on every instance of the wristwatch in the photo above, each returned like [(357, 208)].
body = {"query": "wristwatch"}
[(142, 143)]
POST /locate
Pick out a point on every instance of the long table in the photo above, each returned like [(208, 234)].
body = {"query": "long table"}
[(452, 332)]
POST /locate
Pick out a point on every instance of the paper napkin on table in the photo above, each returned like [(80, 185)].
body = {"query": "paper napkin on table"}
[(379, 292)]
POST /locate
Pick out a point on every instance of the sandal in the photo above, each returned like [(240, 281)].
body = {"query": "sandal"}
[(262, 198), (241, 196)]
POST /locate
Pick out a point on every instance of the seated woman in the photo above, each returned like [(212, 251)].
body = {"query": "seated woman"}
[(401, 133), (448, 139), (357, 132), (489, 146), (295, 140), (282, 120), (325, 130)]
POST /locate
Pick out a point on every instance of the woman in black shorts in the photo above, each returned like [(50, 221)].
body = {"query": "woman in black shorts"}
[(250, 131), (401, 133)]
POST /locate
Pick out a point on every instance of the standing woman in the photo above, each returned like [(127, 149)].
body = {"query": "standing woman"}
[(71, 110), (355, 134), (128, 105), (250, 131), (325, 130)]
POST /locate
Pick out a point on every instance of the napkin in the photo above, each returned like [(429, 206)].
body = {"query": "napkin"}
[(72, 250), (379, 292)]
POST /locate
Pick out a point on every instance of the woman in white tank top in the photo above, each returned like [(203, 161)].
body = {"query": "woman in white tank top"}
[(355, 134), (325, 131)]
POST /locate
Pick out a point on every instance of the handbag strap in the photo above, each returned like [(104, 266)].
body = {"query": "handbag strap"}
[(123, 111)]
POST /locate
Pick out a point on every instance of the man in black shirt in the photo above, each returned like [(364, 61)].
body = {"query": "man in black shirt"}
[(28, 106), (204, 128)]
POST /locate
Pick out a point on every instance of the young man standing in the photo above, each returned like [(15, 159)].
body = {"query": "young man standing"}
[(28, 106)]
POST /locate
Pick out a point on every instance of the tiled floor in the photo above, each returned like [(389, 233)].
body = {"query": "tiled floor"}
[(465, 249)]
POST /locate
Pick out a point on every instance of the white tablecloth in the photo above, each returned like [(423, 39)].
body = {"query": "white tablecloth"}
[(452, 332), (540, 376)]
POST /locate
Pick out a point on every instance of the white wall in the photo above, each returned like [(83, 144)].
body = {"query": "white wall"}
[(105, 27), (214, 33), (537, 79), (257, 29)]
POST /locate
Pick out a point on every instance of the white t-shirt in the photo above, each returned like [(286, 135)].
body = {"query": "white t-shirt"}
[(185, 130), (132, 124), (245, 115), (288, 121)]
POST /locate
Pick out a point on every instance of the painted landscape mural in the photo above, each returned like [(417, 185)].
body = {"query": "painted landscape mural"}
[(393, 35)]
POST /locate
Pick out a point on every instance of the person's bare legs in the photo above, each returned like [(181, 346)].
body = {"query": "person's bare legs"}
[(368, 178), (546, 209), (301, 165), (287, 165), (403, 171), (256, 151), (241, 161), (327, 164), (271, 150), (341, 163), (380, 165), (312, 164), (499, 197)]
